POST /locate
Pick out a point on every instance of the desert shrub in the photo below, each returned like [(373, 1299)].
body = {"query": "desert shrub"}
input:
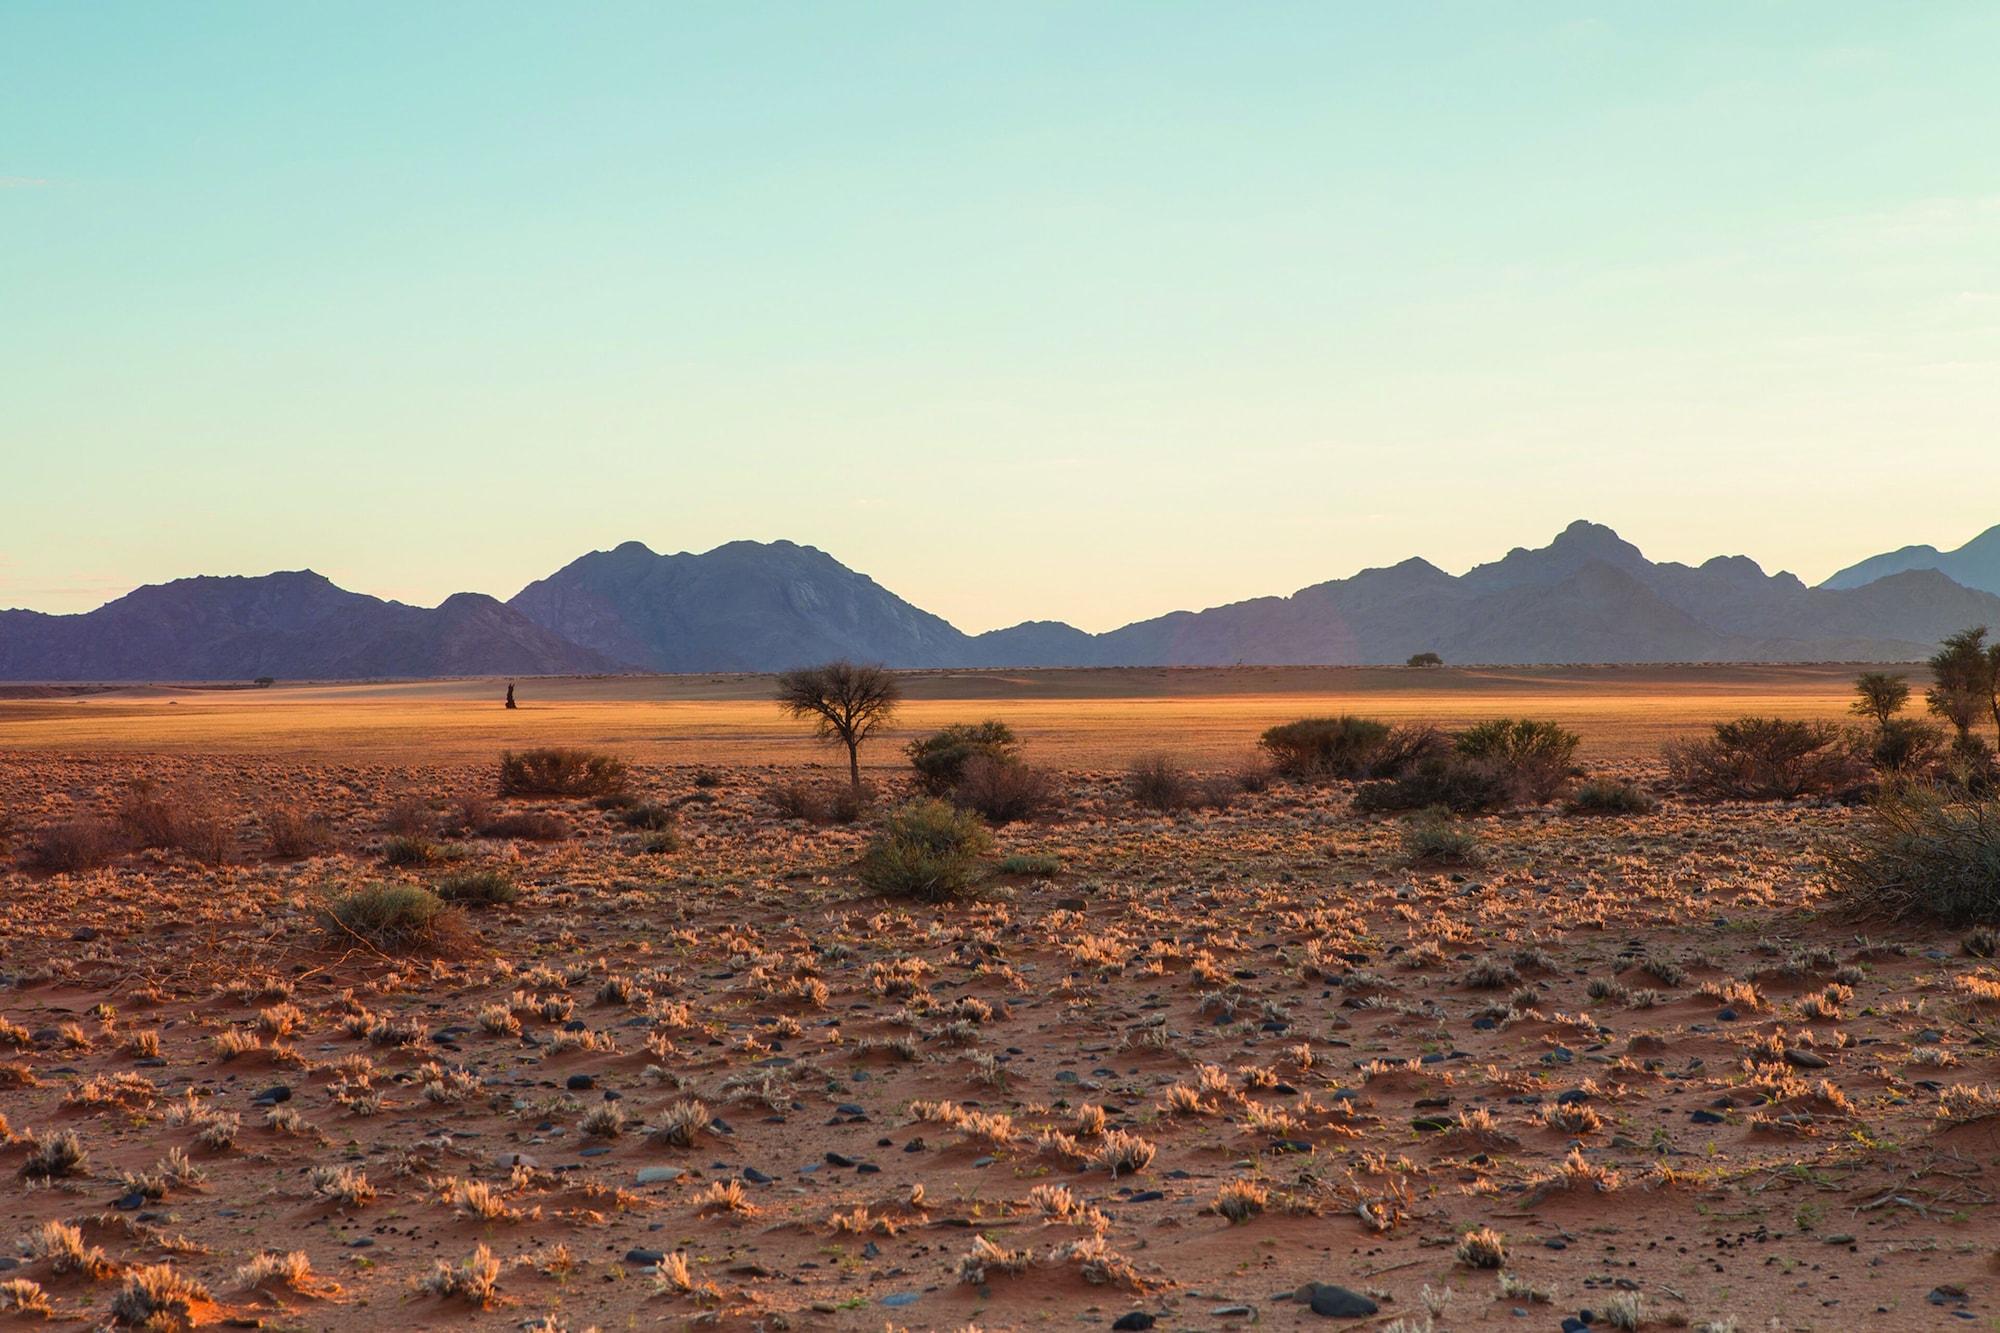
[(527, 826), (1158, 783), (1609, 796), (707, 778), (6, 832), (480, 887), (1906, 746), (157, 1297), (561, 772), (1254, 775), (394, 917), (1533, 758), (1320, 748), (646, 816), (1040, 865), (817, 802), (929, 850), (1454, 783), (76, 844), (180, 822), (297, 833), (940, 758), (1767, 758), (407, 817), (1433, 837), (1003, 789), (1925, 853)]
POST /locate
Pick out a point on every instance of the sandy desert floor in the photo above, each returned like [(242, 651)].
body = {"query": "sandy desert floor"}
[(1626, 1070)]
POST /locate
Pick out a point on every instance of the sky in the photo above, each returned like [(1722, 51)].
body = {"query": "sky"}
[(1084, 311)]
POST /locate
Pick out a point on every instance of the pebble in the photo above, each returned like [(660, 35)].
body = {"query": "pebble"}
[(1334, 1302), (660, 1175), (1137, 1320)]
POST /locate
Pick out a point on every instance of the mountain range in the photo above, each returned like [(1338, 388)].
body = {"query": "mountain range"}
[(1588, 596)]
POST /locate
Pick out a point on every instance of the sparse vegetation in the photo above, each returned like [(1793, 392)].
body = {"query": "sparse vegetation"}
[(561, 772), (1926, 854), (1766, 759), (927, 850)]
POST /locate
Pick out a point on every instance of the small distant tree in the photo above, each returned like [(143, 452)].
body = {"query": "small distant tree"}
[(1879, 695), (1425, 660), (266, 682), (844, 701), (1965, 674)]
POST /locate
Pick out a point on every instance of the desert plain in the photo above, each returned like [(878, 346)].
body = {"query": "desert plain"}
[(1239, 1064)]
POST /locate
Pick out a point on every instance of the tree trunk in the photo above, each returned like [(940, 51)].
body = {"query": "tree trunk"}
[(854, 766)]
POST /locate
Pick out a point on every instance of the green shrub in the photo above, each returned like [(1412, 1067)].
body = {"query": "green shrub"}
[(1317, 749), (817, 802), (393, 917), (482, 887), (1907, 747), (1767, 758), (1535, 759), (1432, 837), (1424, 660), (1040, 865), (561, 772), (928, 850), (1608, 796), (1455, 783), (940, 758), (1158, 783), (1002, 789), (1925, 853)]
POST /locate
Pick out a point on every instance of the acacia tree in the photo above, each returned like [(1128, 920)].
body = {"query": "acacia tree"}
[(1964, 670), (845, 703), (1879, 695)]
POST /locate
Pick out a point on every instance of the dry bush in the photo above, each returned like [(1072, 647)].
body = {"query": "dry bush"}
[(479, 887), (296, 834), (1158, 783), (1925, 853), (1004, 790), (397, 918), (1450, 782), (1767, 758), (157, 1297), (76, 844), (817, 802), (1608, 796), (926, 850), (561, 772), (1434, 838)]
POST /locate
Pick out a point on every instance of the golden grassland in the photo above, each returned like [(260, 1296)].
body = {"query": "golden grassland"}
[(1068, 718)]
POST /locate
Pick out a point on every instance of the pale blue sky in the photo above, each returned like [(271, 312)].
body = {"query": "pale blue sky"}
[(1083, 310)]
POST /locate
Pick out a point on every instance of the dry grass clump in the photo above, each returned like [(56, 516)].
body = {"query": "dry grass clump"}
[(1925, 853), (1963, 1103), (1433, 838), (927, 850), (482, 888), (342, 1185), (474, 1279), (1158, 783), (526, 826), (1608, 796), (1482, 1247), (1767, 759), (184, 822), (396, 918), (55, 1154), (20, 1295), (986, 1260), (561, 772), (60, 1245), (157, 1297), (292, 1270), (683, 1123), (1240, 1200)]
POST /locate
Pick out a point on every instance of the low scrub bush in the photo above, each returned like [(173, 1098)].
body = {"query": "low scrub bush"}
[(294, 834), (1925, 853), (940, 759), (1003, 790), (1608, 796), (1907, 747), (396, 918), (1766, 759), (929, 850), (1535, 759), (174, 822), (1158, 783), (1039, 865), (478, 887), (407, 850), (561, 772), (817, 802), (1317, 749), (76, 844), (1461, 785), (645, 816)]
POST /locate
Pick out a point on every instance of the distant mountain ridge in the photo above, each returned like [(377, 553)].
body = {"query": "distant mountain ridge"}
[(1974, 565), (1588, 596)]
